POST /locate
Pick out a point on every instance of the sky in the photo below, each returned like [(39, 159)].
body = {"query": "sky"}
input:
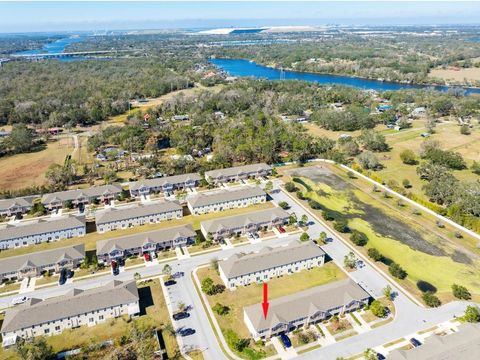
[(41, 16)]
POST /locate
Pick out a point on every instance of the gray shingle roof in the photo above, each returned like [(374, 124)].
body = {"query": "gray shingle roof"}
[(92, 192), (138, 240), (233, 222), (464, 345), (157, 182), (268, 258), (130, 212), (42, 226), (223, 196), (19, 201), (37, 311), (234, 171), (41, 258), (305, 303)]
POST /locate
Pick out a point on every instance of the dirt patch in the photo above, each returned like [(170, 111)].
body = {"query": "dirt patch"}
[(323, 175), (461, 257)]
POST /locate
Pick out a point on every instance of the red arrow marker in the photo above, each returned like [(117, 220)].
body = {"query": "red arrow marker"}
[(265, 303)]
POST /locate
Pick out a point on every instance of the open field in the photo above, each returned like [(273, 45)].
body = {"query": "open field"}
[(253, 293), (24, 170), (432, 257), (459, 76), (91, 239), (155, 316)]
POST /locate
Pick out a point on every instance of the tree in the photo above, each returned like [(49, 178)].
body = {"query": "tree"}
[(370, 354), (464, 129), (373, 141), (378, 309), (350, 261), (387, 291), (181, 306), (207, 286), (369, 161), (20, 139), (304, 219), (472, 314), (167, 270), (220, 309), (475, 167), (397, 271), (290, 187), (374, 254), (34, 349), (461, 292), (292, 219), (406, 184), (341, 225), (408, 157), (430, 125), (322, 238), (284, 205), (430, 299), (359, 238), (214, 264), (268, 186), (442, 189), (304, 237)]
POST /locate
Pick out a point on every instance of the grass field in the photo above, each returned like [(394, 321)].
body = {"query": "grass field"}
[(91, 239), (24, 170), (428, 254), (457, 76)]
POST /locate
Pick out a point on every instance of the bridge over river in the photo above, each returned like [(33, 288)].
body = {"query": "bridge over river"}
[(50, 55)]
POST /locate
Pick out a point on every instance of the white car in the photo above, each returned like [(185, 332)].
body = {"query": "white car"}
[(19, 300)]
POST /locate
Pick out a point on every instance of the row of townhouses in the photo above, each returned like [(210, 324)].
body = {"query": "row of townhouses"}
[(81, 197), (41, 230), (238, 173), (225, 199), (303, 308), (138, 244), (268, 263), (164, 184), (226, 227), (19, 205), (34, 264), (78, 307), (135, 215)]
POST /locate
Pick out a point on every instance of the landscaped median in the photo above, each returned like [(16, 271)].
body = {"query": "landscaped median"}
[(227, 306)]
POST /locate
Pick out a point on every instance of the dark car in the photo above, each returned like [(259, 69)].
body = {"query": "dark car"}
[(115, 268), (380, 356), (285, 340), (415, 342), (170, 282), (63, 277), (180, 315), (70, 274), (178, 274), (186, 332)]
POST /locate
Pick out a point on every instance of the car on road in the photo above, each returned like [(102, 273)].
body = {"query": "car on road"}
[(285, 340), (178, 274), (186, 332), (19, 300), (170, 282), (180, 315), (415, 342), (281, 229)]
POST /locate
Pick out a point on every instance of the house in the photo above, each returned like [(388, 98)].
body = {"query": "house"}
[(244, 269), (180, 117), (78, 307), (165, 184), (425, 134), (33, 264), (303, 308), (225, 199), (15, 206), (463, 344), (419, 111), (219, 115), (344, 137), (41, 230), (383, 108), (82, 197), (238, 173), (128, 216), (147, 242), (225, 227)]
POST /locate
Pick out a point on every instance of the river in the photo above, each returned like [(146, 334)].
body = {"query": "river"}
[(242, 68), (56, 47)]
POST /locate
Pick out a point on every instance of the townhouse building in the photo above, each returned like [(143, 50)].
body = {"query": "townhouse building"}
[(34, 264), (16, 206), (303, 308), (129, 216), (38, 317), (164, 184), (225, 199), (147, 242), (238, 173), (222, 228), (268, 263), (41, 230), (81, 197)]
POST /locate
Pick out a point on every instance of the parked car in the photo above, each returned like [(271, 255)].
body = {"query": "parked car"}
[(329, 240), (415, 342), (180, 315), (115, 268), (63, 277), (281, 229), (70, 274), (19, 300), (186, 332), (153, 255), (170, 282), (146, 256), (285, 340), (380, 356), (255, 235)]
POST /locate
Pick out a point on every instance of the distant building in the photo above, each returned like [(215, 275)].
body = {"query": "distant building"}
[(304, 308), (33, 264), (345, 137), (225, 199), (419, 111), (268, 263), (165, 184), (146, 242), (461, 345), (15, 206), (77, 308), (180, 117), (383, 108), (225, 227), (238, 173), (41, 230), (129, 216)]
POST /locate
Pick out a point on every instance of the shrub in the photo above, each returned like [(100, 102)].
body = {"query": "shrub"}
[(290, 187), (408, 157), (397, 271), (328, 215), (284, 205), (300, 195), (472, 314), (314, 204), (378, 309), (374, 254), (464, 129), (431, 300), (359, 238), (220, 309), (406, 184), (461, 292), (341, 225), (304, 237)]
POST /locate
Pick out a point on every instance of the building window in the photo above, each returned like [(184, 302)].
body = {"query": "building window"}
[(57, 328), (46, 331), (101, 317)]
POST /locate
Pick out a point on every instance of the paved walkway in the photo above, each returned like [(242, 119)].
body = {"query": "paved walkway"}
[(27, 285)]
